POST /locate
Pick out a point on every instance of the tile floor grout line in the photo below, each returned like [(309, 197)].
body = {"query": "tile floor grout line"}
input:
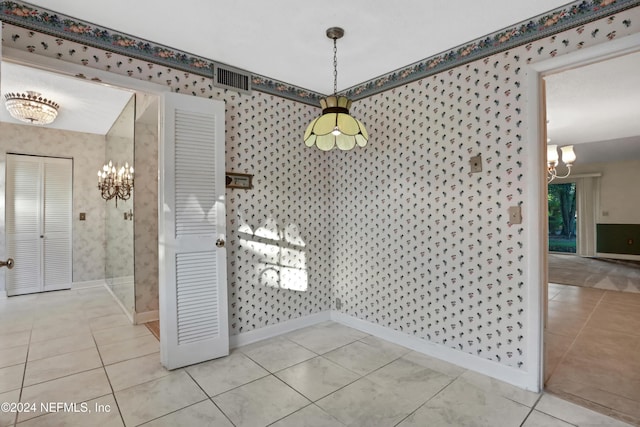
[(210, 398), (427, 401), (573, 341), (104, 368)]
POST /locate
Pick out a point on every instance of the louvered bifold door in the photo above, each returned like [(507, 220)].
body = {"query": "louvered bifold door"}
[(193, 286), (23, 224), (57, 214)]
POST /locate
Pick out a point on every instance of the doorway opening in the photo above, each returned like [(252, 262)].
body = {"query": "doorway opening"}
[(590, 303)]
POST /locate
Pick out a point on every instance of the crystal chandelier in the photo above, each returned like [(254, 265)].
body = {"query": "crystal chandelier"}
[(31, 108), (335, 127), (568, 157), (115, 183)]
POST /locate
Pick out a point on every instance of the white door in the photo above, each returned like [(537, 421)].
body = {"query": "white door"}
[(193, 284), (38, 215)]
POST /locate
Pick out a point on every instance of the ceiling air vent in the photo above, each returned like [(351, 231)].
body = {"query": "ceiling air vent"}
[(229, 78)]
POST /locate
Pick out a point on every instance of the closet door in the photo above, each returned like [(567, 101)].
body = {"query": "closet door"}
[(58, 208), (24, 219), (38, 212)]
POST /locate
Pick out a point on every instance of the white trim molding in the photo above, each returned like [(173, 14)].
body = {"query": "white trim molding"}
[(535, 207), (146, 316), (271, 331), (87, 284), (508, 374)]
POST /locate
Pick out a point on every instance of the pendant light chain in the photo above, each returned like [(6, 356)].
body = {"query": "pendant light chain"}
[(335, 66)]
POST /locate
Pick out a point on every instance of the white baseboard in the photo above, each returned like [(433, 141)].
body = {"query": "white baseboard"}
[(124, 309), (619, 256), (522, 379), (146, 316), (271, 331), (88, 284)]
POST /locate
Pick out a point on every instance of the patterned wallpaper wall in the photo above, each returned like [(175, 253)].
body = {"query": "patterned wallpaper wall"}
[(291, 188), (423, 246), (87, 150), (419, 245), (146, 208)]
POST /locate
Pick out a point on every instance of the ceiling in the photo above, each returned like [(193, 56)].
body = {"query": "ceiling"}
[(84, 106), (285, 39), (599, 102)]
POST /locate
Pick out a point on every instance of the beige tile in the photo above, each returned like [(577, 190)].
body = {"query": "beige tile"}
[(153, 399), (325, 337), (11, 378), (309, 416), (120, 333), (432, 363), (494, 386), (109, 321), (277, 353), (366, 403), (136, 371), (574, 414), (13, 356), (317, 377), (80, 387), (540, 419), (15, 339), (564, 324), (220, 375), (102, 412), (8, 418), (624, 298), (260, 402), (363, 357), (129, 349), (462, 404), (203, 414), (57, 346), (58, 330), (556, 346), (60, 366)]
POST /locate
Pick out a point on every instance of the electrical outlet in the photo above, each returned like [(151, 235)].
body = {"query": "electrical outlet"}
[(83, 216), (515, 215), (476, 163), (338, 303)]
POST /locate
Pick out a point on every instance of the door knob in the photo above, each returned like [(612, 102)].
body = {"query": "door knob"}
[(8, 263), (220, 243)]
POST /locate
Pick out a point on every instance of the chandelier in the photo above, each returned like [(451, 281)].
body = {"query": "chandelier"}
[(115, 183), (335, 127), (31, 108), (568, 157)]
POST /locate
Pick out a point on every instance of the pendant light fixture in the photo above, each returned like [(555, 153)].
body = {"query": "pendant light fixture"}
[(335, 127)]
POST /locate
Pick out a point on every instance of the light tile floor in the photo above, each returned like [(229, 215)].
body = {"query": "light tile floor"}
[(74, 347), (593, 349)]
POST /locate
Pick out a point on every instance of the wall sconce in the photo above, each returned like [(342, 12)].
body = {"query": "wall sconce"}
[(568, 157), (115, 183)]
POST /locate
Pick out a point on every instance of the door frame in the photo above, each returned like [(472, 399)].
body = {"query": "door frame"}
[(537, 189), (68, 69)]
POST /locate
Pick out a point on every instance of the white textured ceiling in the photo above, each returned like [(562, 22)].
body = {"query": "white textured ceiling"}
[(285, 39), (84, 106)]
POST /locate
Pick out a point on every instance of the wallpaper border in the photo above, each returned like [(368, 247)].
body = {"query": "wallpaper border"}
[(571, 15)]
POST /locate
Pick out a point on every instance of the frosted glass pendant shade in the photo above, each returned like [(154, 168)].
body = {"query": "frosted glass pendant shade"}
[(335, 127)]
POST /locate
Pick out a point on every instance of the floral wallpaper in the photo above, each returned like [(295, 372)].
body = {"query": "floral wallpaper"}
[(422, 245), (399, 231), (87, 150)]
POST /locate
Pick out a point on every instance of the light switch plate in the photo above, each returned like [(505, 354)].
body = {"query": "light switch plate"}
[(515, 215), (476, 163)]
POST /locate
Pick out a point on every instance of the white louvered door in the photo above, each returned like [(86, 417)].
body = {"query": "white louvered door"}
[(38, 222), (193, 285), (58, 208)]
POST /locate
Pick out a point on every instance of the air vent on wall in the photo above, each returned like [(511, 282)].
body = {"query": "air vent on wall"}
[(229, 78)]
